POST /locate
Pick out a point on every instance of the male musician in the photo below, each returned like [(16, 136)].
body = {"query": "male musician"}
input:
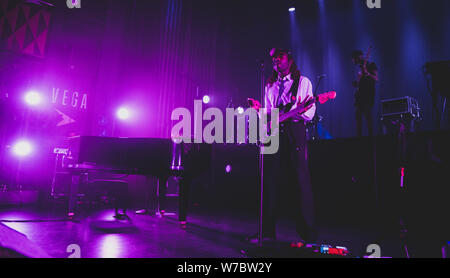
[(288, 170), (364, 91)]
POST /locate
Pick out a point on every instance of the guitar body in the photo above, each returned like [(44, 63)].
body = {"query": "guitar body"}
[(301, 109)]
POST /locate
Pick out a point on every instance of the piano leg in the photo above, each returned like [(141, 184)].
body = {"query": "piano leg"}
[(73, 193), (155, 196), (161, 195), (183, 199), (149, 193)]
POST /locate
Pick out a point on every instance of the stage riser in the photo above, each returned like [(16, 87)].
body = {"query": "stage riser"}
[(356, 181)]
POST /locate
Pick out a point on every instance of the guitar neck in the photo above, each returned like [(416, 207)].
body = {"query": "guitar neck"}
[(297, 111)]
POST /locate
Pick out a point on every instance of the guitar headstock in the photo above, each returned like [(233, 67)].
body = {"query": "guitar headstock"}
[(323, 98)]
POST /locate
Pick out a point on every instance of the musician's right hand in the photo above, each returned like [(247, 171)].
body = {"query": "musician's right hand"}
[(254, 104)]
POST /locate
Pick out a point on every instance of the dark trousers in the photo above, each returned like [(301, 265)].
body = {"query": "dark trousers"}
[(287, 171), (364, 112)]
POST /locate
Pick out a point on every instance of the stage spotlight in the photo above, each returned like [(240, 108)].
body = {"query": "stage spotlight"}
[(206, 99), (33, 98), (240, 110), (291, 9), (123, 113), (22, 148), (228, 169)]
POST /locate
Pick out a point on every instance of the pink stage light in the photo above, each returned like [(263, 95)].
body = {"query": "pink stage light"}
[(33, 98), (228, 169), (111, 246), (123, 113), (22, 148)]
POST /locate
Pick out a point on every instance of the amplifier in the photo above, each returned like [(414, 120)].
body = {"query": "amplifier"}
[(404, 107)]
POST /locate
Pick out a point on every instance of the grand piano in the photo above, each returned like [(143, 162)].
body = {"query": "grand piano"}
[(160, 158)]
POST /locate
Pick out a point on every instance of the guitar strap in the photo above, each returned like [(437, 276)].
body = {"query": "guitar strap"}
[(293, 92)]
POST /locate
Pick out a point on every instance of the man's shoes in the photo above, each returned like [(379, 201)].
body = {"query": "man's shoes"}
[(254, 239), (298, 243), (307, 235)]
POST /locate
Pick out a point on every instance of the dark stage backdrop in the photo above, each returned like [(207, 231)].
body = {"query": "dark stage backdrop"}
[(405, 34), (154, 56)]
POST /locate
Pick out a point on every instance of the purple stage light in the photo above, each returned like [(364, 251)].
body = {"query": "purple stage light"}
[(206, 99), (33, 98), (111, 246), (22, 148), (123, 113), (240, 110), (291, 9), (228, 169)]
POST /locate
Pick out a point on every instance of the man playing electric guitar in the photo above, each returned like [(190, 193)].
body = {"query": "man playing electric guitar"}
[(364, 90), (287, 89)]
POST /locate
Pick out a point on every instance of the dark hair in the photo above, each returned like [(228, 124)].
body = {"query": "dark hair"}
[(293, 70), (356, 54)]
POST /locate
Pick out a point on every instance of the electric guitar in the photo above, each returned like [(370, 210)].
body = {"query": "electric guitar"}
[(322, 99)]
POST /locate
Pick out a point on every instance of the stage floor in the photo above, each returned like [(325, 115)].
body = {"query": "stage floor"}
[(206, 235)]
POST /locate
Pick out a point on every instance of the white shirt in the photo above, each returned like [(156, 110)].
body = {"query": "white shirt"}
[(304, 90)]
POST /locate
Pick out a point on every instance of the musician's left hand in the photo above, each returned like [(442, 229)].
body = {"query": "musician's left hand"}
[(304, 104)]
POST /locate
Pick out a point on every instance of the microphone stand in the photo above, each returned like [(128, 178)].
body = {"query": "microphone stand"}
[(318, 83), (261, 67), (314, 134)]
